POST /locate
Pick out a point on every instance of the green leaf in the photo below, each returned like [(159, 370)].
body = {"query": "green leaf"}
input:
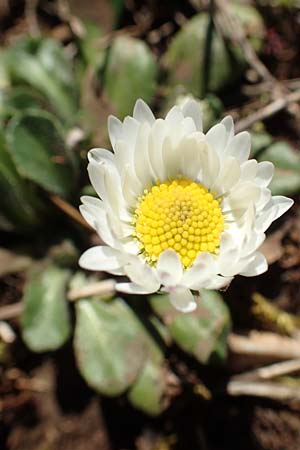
[(45, 321), (130, 73), (92, 51), (185, 57), (118, 6), (19, 205), (148, 391), (201, 333), (110, 345), (19, 99), (38, 151), (43, 65)]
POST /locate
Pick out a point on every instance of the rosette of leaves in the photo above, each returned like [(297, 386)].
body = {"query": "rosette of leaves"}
[(38, 105), (119, 348)]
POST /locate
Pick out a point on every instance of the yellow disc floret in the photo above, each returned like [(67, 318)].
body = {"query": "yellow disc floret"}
[(180, 214)]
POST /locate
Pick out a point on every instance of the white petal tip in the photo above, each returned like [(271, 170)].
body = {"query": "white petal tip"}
[(142, 112), (183, 300)]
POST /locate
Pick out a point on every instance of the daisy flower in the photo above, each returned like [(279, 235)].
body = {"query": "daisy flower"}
[(179, 210)]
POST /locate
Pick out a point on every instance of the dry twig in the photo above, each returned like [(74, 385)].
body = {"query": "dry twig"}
[(268, 111), (103, 288), (228, 23), (69, 210), (12, 311), (274, 391), (264, 345), (270, 371)]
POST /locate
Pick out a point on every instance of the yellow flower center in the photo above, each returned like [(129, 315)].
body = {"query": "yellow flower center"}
[(181, 215)]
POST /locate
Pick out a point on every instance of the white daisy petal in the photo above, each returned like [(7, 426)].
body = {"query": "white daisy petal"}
[(217, 138), (243, 195), (115, 129), (183, 300), (169, 268), (203, 268), (277, 206), (142, 113), (239, 147), (142, 274), (130, 131), (133, 288), (174, 116), (186, 129), (229, 126), (96, 216), (229, 175), (249, 170), (102, 258), (192, 109), (256, 266), (141, 158), (282, 204), (265, 173), (210, 165), (170, 157), (218, 282), (156, 140), (189, 156), (103, 176)]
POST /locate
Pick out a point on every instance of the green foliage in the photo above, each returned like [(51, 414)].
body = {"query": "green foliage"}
[(186, 54), (43, 65), (149, 389), (34, 142), (18, 99), (92, 52), (130, 73), (202, 333), (45, 320), (109, 345), (115, 352), (19, 205)]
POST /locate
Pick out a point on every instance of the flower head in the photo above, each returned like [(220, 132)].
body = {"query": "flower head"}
[(179, 210)]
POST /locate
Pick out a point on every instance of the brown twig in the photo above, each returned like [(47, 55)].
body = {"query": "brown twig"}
[(274, 391), (31, 17), (268, 110), (270, 371), (264, 345), (228, 23), (11, 311), (103, 289), (69, 210)]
